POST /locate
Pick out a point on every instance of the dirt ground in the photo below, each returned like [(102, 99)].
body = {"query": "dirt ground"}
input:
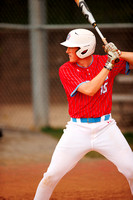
[(24, 157)]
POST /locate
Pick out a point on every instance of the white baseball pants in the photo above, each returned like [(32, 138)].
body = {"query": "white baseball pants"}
[(77, 140)]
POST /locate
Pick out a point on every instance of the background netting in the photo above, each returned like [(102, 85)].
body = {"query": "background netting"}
[(115, 19)]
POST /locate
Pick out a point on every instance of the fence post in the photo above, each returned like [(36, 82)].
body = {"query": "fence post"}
[(39, 62)]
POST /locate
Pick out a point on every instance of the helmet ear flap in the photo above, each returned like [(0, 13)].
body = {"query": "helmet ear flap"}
[(81, 53), (84, 52)]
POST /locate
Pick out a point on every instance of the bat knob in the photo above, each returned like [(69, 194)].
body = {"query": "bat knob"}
[(117, 60)]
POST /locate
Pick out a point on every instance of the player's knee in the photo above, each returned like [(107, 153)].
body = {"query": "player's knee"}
[(49, 179)]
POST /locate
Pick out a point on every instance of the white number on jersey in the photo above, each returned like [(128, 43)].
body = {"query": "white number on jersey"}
[(104, 88)]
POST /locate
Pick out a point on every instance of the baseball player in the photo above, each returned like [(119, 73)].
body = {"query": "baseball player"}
[(88, 81)]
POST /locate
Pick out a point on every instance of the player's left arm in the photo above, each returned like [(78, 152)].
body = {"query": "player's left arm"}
[(127, 56)]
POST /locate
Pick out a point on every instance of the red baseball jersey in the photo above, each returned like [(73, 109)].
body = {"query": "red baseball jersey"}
[(84, 106)]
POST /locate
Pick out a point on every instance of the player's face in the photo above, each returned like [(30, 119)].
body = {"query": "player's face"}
[(71, 51)]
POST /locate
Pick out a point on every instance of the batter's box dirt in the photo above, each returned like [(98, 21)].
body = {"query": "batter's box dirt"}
[(91, 179)]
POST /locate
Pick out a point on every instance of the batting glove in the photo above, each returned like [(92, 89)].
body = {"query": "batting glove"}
[(111, 47), (112, 57)]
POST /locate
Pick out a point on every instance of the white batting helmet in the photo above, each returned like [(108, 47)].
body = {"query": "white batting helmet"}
[(82, 38)]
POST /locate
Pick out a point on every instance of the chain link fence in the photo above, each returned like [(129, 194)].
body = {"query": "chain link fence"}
[(115, 19)]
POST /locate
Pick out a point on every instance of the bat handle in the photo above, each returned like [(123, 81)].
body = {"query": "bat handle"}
[(104, 41), (100, 34), (103, 38)]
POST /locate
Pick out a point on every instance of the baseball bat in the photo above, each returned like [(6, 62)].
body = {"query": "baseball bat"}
[(86, 11)]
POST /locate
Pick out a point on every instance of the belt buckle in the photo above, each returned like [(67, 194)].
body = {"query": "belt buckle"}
[(88, 120)]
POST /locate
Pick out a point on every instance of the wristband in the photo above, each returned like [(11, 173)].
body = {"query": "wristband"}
[(107, 68)]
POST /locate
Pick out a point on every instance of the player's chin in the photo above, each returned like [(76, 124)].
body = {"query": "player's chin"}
[(72, 60)]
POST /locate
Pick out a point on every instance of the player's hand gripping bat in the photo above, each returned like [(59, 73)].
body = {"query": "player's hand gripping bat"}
[(86, 11)]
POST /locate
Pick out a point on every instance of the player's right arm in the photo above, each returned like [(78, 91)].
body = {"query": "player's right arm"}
[(91, 87)]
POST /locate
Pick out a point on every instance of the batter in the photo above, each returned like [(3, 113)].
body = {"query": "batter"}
[(88, 81)]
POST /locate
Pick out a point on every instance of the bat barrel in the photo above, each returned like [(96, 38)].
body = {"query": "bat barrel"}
[(87, 13)]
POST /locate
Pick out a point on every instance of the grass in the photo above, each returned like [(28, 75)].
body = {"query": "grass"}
[(129, 137), (57, 133)]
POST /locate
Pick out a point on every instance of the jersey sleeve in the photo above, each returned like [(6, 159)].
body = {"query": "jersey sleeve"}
[(122, 67), (70, 79)]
